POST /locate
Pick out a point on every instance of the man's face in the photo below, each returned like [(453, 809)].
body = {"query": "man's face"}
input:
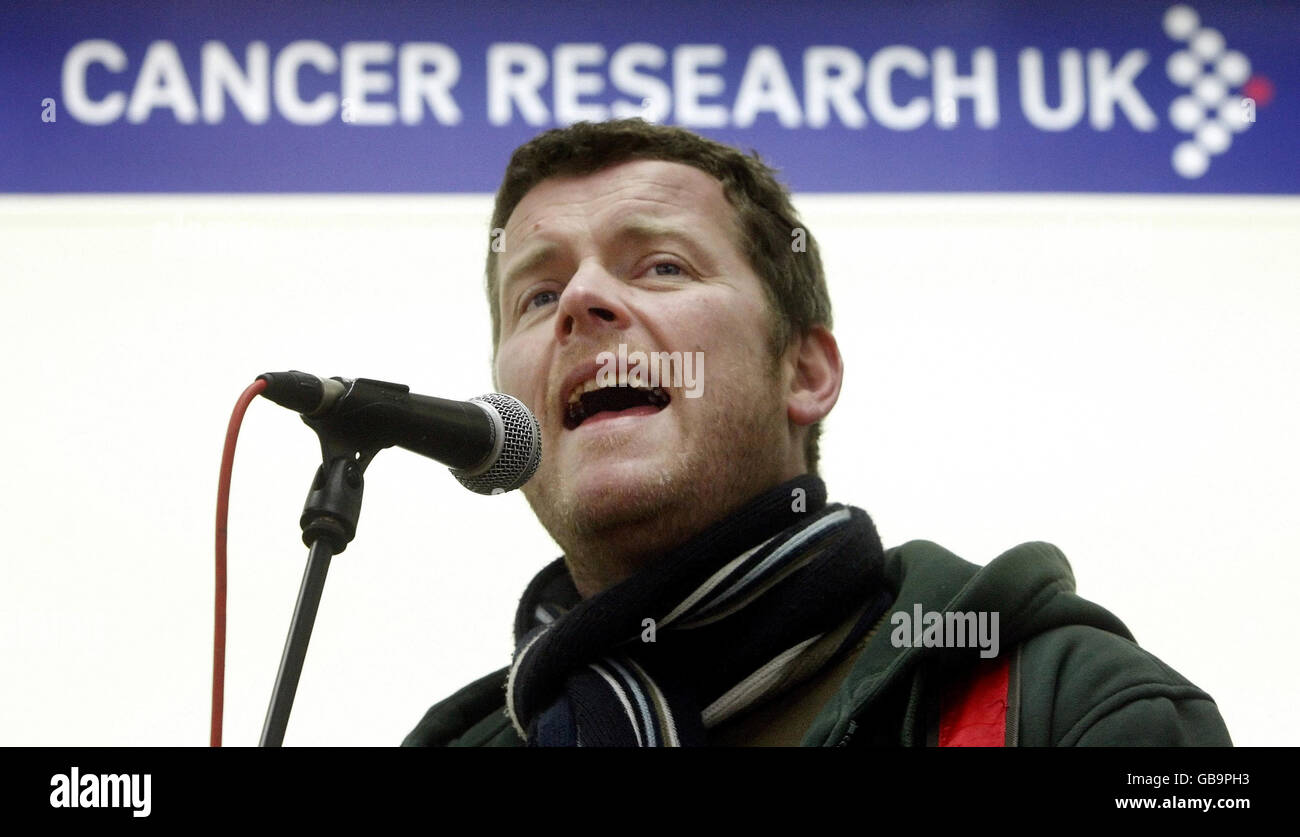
[(641, 254)]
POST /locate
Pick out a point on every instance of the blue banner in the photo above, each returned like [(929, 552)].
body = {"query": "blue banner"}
[(1131, 96)]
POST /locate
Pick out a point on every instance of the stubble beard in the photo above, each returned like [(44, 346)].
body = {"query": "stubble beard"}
[(607, 535)]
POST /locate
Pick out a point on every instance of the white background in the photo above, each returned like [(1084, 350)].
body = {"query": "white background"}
[(1115, 375)]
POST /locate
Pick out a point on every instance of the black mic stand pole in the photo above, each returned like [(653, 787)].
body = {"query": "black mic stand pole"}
[(329, 523)]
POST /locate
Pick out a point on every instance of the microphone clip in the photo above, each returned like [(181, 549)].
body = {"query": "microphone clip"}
[(333, 504)]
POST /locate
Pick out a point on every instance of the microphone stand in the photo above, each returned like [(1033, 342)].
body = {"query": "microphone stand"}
[(329, 523)]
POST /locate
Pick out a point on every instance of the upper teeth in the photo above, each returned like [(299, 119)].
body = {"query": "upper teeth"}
[(580, 389), (591, 386)]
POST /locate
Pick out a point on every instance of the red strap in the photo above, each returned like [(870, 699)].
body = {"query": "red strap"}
[(974, 711)]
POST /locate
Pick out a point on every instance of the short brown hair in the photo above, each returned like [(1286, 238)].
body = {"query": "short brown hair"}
[(780, 250)]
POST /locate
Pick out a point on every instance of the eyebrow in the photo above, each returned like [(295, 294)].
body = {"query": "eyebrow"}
[(650, 228), (646, 226), (533, 258)]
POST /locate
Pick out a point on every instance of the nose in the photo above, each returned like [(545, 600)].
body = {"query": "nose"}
[(591, 302)]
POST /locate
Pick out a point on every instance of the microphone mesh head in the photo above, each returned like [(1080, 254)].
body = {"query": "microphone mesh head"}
[(521, 448)]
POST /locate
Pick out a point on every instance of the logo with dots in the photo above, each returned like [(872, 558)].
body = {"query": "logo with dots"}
[(1222, 94)]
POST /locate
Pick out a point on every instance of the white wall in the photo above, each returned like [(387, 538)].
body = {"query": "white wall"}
[(1115, 375)]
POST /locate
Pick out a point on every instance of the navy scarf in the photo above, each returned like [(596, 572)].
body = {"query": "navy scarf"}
[(743, 612)]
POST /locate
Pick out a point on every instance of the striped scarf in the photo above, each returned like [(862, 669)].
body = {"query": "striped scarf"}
[(743, 612)]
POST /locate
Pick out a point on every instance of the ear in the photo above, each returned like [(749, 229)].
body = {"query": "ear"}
[(818, 374)]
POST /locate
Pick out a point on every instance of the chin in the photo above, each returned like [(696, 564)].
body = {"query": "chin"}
[(606, 496), (624, 494)]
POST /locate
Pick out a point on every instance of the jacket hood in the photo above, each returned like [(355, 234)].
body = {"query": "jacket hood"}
[(1031, 588)]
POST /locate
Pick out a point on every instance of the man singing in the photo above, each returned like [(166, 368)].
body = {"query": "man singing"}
[(708, 593)]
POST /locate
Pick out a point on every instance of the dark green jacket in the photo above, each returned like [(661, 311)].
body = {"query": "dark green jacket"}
[(1077, 676)]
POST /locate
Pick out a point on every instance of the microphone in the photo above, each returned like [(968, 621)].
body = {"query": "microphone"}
[(491, 443)]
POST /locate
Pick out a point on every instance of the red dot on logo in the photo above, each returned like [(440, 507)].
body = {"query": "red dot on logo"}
[(1258, 88)]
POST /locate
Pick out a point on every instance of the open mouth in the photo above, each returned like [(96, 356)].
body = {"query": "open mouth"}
[(590, 399)]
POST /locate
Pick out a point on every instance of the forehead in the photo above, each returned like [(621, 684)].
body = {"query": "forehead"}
[(639, 188)]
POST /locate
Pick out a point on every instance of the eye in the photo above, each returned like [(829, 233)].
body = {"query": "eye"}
[(539, 299), (667, 267)]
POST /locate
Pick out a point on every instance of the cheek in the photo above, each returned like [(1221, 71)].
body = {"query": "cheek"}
[(736, 343), (509, 375), (521, 373)]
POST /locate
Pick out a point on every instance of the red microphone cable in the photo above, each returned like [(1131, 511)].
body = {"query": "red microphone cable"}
[(223, 514)]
